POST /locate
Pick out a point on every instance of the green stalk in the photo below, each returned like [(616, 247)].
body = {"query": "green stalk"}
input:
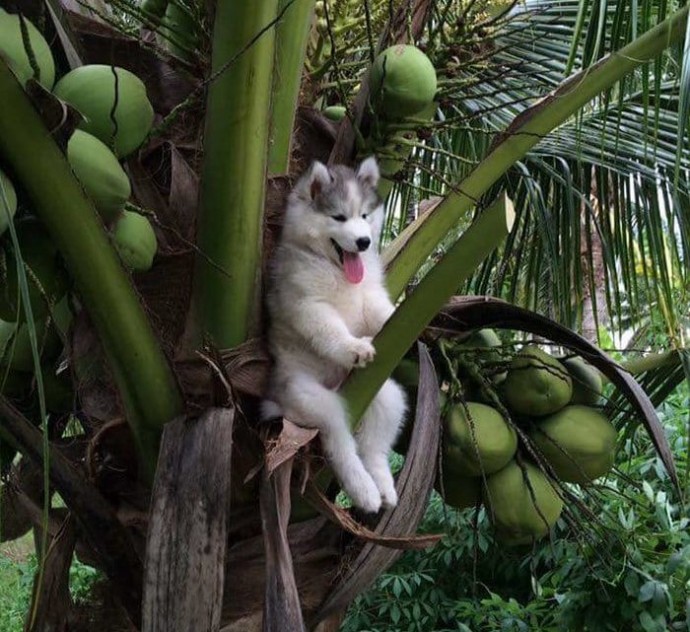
[(226, 291), (415, 313), (527, 130), (146, 383), (292, 35)]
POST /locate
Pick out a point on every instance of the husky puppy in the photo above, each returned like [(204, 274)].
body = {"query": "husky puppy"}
[(326, 301)]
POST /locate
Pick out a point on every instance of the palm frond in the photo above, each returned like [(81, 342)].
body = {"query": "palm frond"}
[(615, 177)]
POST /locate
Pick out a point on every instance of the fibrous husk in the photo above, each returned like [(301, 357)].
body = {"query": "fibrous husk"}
[(46, 277), (537, 384), (578, 441), (13, 50), (477, 440), (522, 501), (587, 382), (99, 172), (96, 89), (402, 81), (457, 490)]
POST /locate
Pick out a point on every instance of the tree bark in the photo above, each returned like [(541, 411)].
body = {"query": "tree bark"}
[(187, 536)]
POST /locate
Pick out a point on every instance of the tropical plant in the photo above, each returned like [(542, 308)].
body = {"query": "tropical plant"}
[(631, 574), (598, 176)]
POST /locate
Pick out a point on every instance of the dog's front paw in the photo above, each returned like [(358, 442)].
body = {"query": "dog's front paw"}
[(363, 351)]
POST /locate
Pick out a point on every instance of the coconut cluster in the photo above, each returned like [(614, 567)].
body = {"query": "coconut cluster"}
[(526, 423), (116, 118)]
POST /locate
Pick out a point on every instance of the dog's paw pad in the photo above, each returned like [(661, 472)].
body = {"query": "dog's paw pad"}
[(364, 351)]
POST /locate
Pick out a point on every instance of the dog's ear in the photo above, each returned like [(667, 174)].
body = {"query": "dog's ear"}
[(318, 178), (368, 172)]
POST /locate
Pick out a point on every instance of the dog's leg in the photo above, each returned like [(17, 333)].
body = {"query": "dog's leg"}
[(309, 403), (376, 436)]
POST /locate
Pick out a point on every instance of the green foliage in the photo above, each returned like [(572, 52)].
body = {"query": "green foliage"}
[(15, 592), (628, 571), (16, 579)]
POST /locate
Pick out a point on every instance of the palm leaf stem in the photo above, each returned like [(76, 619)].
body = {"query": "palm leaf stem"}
[(226, 287)]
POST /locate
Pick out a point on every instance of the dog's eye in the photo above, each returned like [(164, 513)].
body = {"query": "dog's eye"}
[(339, 218), (364, 215)]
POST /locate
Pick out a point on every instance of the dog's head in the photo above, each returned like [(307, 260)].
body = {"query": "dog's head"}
[(337, 212)]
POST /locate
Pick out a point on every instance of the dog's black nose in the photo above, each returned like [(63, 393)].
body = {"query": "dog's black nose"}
[(363, 243)]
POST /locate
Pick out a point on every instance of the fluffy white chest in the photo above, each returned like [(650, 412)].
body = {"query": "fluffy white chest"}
[(348, 300)]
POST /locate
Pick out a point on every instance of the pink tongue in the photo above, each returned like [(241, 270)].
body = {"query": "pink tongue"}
[(353, 266)]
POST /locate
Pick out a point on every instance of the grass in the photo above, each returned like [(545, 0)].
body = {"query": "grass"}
[(17, 565)]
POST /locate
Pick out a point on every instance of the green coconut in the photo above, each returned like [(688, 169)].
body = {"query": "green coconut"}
[(483, 338), (12, 49), (135, 241), (537, 383), (15, 339), (10, 196), (403, 82), (99, 171), (578, 442), (46, 277), (492, 444), (178, 31), (334, 112), (485, 345), (459, 491), (91, 90), (587, 383), (521, 511)]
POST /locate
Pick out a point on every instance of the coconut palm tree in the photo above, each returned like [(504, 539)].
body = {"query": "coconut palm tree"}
[(557, 136)]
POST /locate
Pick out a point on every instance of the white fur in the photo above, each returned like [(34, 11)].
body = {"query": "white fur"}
[(322, 327)]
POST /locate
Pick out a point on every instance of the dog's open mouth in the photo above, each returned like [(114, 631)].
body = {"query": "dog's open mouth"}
[(353, 266)]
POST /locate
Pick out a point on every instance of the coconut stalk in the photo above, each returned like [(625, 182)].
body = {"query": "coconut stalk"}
[(226, 289), (527, 129), (292, 36), (145, 381), (487, 232)]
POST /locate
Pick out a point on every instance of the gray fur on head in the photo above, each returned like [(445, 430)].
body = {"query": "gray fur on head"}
[(323, 187)]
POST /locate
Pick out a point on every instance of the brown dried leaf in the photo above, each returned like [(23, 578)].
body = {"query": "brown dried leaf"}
[(282, 611), (343, 518), (286, 445), (183, 197)]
